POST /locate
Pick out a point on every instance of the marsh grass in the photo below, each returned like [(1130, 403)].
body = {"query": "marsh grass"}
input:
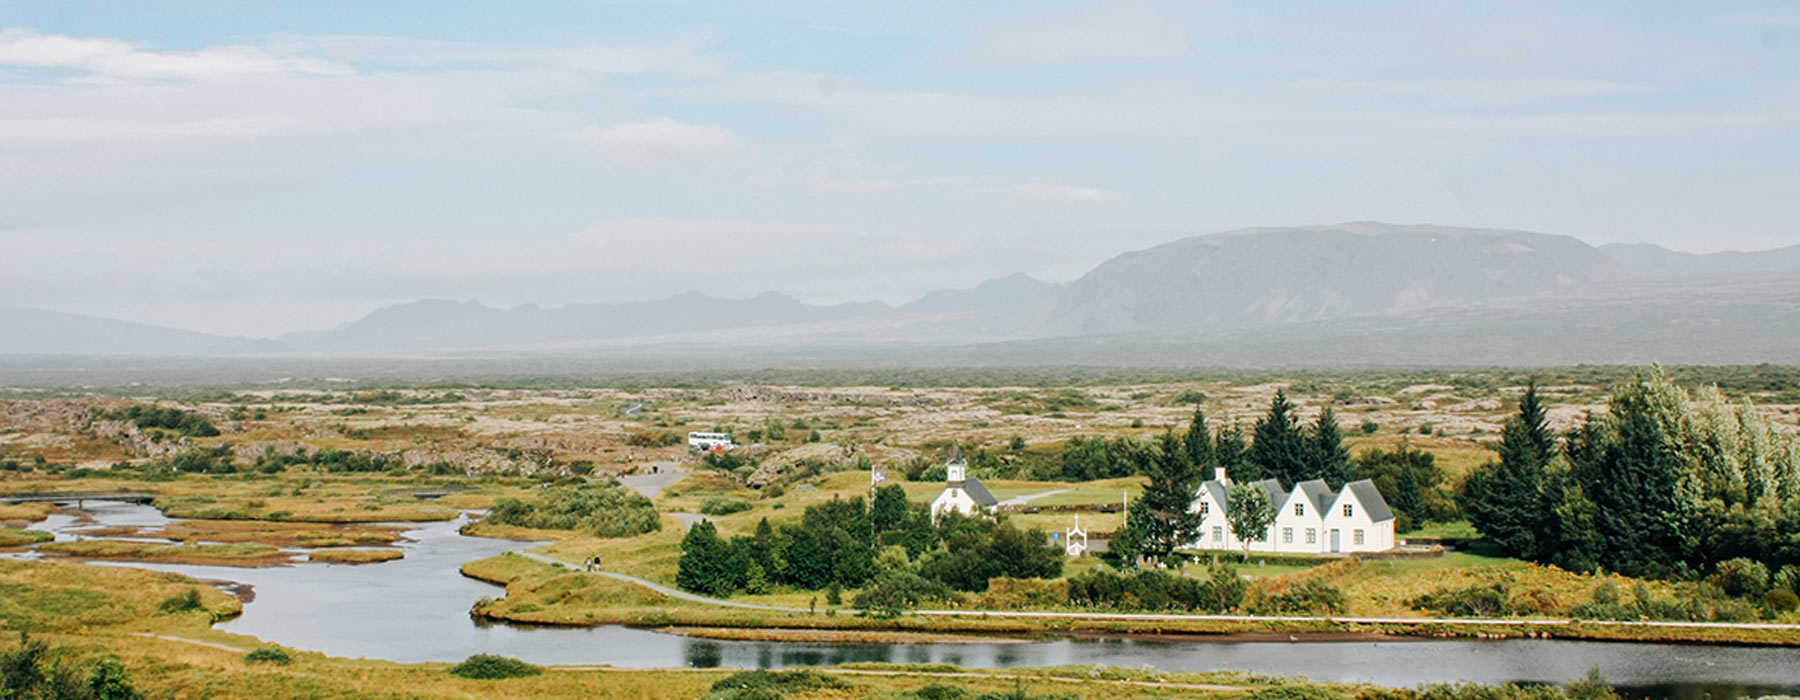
[(205, 554), (355, 556)]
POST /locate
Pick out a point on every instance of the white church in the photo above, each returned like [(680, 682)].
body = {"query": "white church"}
[(1311, 519), (962, 493)]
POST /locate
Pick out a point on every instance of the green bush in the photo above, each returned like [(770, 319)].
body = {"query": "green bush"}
[(769, 685), (491, 667), (1309, 597), (1295, 692), (269, 655), (1741, 577), (720, 505), (183, 602), (604, 510)]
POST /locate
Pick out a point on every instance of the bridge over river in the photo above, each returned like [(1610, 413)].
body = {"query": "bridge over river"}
[(78, 497)]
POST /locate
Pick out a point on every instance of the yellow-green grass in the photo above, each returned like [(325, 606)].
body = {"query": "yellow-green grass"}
[(1457, 457), (355, 556), (547, 594), (316, 509), (49, 596), (1057, 522), (24, 512), (15, 537), (279, 534), (204, 554)]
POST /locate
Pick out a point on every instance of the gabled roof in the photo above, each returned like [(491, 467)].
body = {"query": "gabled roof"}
[(1216, 489), (1273, 488), (1371, 500), (1220, 490), (979, 492), (1316, 493)]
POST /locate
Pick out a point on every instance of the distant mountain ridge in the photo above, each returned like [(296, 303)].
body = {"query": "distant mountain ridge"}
[(1652, 260), (1287, 275), (1236, 296)]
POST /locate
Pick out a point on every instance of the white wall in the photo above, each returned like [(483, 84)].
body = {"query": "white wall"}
[(1375, 536)]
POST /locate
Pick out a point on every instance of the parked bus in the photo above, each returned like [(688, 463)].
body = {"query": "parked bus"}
[(710, 442)]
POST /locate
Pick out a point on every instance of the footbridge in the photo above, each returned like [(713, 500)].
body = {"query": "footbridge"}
[(77, 497)]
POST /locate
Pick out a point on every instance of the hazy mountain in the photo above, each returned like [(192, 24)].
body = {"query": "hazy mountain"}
[(1011, 292), (1656, 261), (436, 325), (1266, 276), (30, 331)]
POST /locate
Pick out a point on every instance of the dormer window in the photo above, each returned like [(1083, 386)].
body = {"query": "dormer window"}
[(1299, 509), (1349, 510), (1205, 507)]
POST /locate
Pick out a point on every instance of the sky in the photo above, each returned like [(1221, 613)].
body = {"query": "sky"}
[(257, 168)]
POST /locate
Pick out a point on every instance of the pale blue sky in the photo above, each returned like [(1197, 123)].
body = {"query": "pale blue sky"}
[(261, 167)]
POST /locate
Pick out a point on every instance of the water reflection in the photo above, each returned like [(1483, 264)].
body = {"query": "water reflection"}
[(415, 609)]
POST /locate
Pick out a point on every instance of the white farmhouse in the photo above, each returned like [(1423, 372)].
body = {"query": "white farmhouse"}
[(1311, 519), (962, 493), (1215, 531)]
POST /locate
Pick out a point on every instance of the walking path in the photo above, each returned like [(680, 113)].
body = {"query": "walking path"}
[(1022, 500), (1159, 617), (650, 485)]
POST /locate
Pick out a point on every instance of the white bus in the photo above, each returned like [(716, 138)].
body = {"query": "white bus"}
[(710, 442)]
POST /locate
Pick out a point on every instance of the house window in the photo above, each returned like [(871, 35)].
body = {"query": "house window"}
[(1299, 509), (1287, 535), (1205, 506), (1349, 510), (1312, 536), (1218, 534), (1356, 537)]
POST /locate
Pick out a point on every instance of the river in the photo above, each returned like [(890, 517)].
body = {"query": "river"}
[(416, 609)]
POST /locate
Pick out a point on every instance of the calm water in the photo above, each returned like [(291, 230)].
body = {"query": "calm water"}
[(416, 609)]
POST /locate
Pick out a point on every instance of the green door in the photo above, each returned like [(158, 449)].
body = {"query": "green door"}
[(1334, 541)]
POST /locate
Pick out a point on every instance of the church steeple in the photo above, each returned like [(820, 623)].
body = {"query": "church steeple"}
[(956, 467)]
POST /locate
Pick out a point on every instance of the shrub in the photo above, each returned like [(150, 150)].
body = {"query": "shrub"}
[(491, 667), (1308, 597), (758, 685), (1295, 692), (606, 510), (720, 505), (1481, 600), (1781, 600), (269, 655), (1741, 577), (183, 602)]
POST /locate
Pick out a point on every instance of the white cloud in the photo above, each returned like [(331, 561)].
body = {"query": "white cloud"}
[(113, 58), (656, 143)]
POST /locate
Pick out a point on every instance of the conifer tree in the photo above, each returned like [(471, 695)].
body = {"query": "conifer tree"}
[(1330, 459), (1198, 442), (1505, 499), (1161, 519), (1230, 453), (1280, 448)]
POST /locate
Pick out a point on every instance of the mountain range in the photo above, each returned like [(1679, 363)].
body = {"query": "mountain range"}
[(1445, 295)]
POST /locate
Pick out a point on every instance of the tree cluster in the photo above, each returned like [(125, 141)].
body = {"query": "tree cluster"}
[(173, 420), (836, 544), (1221, 591), (1662, 484)]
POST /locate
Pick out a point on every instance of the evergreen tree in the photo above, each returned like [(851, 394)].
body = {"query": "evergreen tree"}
[(1198, 442), (1330, 459), (707, 565), (1162, 518), (1280, 449), (1629, 469), (1505, 499), (1230, 453)]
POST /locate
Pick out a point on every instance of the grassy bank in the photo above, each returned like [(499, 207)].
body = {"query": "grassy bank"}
[(277, 534), (15, 537), (202, 554), (355, 556)]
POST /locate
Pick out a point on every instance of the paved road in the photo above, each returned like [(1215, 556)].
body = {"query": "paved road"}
[(1152, 617), (689, 520), (651, 485), (1022, 500)]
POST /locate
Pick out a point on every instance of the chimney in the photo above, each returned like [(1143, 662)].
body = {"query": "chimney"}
[(1221, 476)]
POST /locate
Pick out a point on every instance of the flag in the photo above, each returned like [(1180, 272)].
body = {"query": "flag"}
[(876, 477)]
